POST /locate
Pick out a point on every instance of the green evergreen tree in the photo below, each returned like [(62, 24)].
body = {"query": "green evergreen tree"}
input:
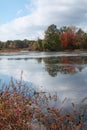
[(51, 41)]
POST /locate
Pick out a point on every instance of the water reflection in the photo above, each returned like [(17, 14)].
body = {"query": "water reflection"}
[(64, 65), (5, 80), (65, 74)]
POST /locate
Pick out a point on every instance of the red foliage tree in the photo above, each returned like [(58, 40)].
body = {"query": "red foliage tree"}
[(68, 38), (64, 40)]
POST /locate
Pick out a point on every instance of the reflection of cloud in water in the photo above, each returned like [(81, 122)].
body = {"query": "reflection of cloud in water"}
[(70, 81), (5, 80)]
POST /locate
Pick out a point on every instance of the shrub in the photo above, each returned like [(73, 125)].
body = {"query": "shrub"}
[(22, 108)]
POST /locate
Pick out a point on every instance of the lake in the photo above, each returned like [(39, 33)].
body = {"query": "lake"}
[(55, 72)]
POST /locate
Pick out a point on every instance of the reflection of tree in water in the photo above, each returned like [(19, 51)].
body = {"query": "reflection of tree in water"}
[(64, 65), (52, 69), (39, 60)]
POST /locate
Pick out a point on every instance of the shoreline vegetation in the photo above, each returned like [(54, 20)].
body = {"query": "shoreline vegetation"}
[(23, 108), (65, 38)]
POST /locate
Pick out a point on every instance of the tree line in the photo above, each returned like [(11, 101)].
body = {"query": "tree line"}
[(16, 44), (65, 38)]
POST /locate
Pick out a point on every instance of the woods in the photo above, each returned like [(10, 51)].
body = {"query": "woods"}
[(65, 38)]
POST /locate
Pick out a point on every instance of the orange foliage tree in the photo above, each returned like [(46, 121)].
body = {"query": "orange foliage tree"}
[(68, 38)]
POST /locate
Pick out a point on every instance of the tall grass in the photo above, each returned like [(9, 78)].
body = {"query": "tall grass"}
[(22, 108)]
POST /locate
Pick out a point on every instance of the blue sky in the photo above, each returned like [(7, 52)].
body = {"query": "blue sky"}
[(10, 9), (28, 19)]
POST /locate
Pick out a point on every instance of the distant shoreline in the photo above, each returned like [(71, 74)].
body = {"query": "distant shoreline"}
[(27, 50)]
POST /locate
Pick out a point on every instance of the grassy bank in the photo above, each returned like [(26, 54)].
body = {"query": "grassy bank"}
[(22, 108)]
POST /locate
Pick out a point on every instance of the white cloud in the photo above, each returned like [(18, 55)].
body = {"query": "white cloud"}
[(42, 14)]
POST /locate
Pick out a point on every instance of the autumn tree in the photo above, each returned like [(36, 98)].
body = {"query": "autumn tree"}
[(64, 40), (67, 37)]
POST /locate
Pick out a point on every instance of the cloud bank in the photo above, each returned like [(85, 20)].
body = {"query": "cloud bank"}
[(42, 14)]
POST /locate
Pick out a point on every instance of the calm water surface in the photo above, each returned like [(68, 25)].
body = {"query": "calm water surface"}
[(64, 73)]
